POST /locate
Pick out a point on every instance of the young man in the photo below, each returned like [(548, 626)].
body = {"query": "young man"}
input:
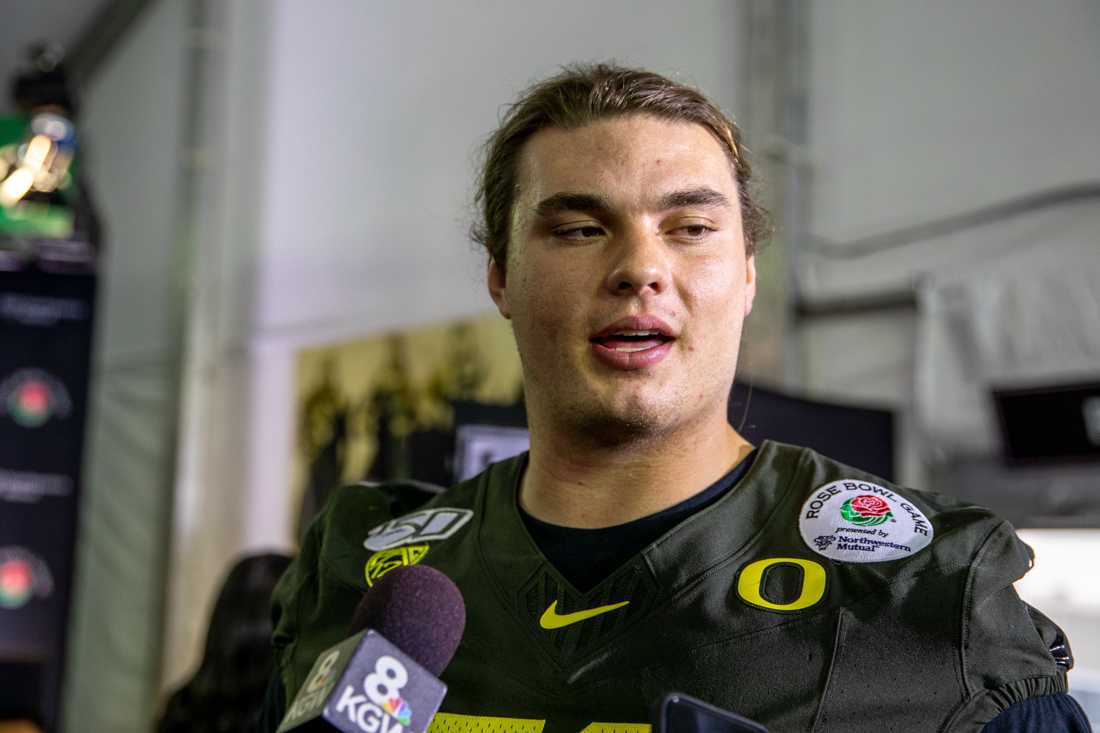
[(643, 546)]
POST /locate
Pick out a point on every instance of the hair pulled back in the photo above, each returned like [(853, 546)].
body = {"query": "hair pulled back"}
[(585, 93)]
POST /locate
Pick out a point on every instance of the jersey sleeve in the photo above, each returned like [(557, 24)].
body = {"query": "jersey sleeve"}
[(313, 602), (1048, 714), (1005, 646), (289, 597)]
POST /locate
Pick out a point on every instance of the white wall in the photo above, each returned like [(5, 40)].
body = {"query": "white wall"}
[(919, 110), (922, 110), (347, 134), (131, 126)]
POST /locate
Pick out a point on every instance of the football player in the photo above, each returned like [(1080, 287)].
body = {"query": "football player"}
[(642, 545)]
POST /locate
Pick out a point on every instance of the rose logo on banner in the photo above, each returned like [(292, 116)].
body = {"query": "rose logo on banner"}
[(23, 576), (31, 397)]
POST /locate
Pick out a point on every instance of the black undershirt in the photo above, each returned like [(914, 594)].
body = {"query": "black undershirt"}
[(585, 557)]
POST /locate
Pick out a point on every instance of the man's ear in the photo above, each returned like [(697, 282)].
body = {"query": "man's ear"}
[(750, 283), (497, 282)]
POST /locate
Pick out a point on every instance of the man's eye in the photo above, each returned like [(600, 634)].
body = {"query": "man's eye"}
[(579, 233), (694, 231)]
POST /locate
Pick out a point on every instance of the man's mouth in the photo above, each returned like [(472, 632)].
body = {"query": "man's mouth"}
[(630, 341), (634, 342)]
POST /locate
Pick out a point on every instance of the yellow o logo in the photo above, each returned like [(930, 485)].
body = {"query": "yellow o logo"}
[(750, 583)]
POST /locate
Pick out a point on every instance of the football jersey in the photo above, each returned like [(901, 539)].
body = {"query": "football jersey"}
[(811, 596)]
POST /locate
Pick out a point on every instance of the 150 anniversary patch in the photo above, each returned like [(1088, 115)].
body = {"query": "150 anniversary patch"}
[(857, 521), (422, 526)]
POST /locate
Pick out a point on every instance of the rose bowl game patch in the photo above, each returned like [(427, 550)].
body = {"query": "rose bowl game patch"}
[(857, 521)]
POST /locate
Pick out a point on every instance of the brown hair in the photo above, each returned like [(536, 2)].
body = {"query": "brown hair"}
[(583, 94)]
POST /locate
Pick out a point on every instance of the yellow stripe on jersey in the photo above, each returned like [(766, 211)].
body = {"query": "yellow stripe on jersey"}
[(453, 723)]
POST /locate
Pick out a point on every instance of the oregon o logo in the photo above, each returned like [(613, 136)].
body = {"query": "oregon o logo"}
[(750, 583)]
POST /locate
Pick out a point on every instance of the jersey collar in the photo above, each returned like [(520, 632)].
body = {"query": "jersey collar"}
[(689, 549)]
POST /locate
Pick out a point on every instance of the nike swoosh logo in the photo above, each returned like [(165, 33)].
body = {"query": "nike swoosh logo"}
[(551, 619)]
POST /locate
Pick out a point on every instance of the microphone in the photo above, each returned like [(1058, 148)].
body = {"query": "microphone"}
[(384, 678)]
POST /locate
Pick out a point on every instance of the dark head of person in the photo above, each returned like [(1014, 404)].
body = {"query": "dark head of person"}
[(21, 701), (227, 691)]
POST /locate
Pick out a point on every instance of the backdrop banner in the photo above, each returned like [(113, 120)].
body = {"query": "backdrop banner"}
[(46, 332)]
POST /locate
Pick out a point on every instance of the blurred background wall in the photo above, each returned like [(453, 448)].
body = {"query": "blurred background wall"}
[(278, 175), (136, 113)]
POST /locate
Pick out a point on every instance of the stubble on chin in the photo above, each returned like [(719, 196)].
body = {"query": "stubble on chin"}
[(604, 411), (608, 421)]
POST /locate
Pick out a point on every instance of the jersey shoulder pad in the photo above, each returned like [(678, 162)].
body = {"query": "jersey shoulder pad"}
[(852, 516)]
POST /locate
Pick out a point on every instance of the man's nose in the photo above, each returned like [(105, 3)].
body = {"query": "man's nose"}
[(640, 265)]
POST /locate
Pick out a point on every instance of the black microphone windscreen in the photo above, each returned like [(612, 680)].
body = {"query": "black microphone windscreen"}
[(419, 610)]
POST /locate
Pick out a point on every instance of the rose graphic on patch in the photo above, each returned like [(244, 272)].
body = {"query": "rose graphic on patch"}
[(866, 510)]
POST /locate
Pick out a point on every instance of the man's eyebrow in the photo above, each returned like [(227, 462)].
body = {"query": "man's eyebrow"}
[(702, 196), (560, 202)]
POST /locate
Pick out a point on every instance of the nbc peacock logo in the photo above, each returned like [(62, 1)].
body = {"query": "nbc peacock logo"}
[(23, 575), (399, 709), (31, 397), (383, 686), (866, 510)]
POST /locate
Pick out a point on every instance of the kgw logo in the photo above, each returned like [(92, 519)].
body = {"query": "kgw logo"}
[(381, 709)]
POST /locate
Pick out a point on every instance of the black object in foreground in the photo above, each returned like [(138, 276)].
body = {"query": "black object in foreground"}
[(680, 713), (383, 679)]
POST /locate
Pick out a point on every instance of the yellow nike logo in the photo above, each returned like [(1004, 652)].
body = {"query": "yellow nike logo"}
[(551, 619)]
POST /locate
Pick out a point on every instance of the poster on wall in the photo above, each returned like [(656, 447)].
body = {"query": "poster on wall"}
[(383, 407)]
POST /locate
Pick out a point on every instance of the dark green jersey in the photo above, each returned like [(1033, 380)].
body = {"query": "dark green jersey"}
[(811, 596)]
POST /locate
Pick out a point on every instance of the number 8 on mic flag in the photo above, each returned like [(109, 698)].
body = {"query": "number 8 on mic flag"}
[(365, 684)]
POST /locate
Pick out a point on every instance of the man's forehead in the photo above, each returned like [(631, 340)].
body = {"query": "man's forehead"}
[(636, 157)]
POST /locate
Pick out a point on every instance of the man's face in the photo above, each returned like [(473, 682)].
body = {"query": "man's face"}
[(627, 280)]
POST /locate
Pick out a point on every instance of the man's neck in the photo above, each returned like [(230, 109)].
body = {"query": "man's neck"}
[(580, 484)]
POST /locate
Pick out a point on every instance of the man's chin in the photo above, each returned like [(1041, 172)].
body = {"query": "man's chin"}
[(623, 423)]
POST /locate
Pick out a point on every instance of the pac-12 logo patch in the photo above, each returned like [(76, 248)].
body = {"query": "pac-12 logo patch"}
[(857, 521), (384, 561), (423, 526)]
